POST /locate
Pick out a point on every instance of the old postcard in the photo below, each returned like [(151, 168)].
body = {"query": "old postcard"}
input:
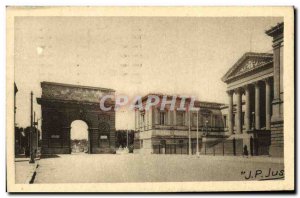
[(150, 99)]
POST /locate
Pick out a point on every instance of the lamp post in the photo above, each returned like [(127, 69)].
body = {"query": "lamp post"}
[(206, 121), (31, 128), (190, 146), (197, 150)]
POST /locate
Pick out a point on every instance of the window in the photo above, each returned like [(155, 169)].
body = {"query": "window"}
[(225, 120), (103, 141), (215, 121), (243, 118), (163, 142), (162, 120), (181, 143), (143, 120), (180, 118), (194, 119), (233, 120), (171, 121), (148, 119)]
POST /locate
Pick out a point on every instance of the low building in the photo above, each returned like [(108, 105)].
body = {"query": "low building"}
[(167, 131)]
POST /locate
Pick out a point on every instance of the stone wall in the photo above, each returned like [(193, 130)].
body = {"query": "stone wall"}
[(71, 92)]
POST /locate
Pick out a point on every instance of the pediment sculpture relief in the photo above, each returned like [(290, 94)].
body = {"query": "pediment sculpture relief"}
[(250, 64)]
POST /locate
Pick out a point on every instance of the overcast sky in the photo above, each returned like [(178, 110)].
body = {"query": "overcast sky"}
[(133, 55)]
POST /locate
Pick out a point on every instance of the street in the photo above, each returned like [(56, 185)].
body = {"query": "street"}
[(24, 170), (84, 168)]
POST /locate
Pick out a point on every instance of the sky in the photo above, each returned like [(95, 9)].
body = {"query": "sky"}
[(133, 55)]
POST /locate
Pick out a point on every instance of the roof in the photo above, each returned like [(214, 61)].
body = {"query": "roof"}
[(76, 86), (275, 30), (255, 59), (197, 103)]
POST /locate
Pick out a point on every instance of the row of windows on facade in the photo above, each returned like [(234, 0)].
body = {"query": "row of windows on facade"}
[(182, 119), (164, 142)]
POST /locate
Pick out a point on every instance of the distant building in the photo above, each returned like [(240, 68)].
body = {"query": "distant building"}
[(79, 146), (167, 131)]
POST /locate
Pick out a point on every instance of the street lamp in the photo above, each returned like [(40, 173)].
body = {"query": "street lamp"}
[(190, 146), (197, 150), (31, 129)]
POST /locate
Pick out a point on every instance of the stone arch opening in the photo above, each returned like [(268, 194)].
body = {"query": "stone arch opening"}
[(79, 136)]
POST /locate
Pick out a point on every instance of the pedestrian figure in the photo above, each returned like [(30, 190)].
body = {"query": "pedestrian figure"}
[(245, 151)]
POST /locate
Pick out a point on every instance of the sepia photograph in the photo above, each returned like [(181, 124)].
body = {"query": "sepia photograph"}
[(150, 99)]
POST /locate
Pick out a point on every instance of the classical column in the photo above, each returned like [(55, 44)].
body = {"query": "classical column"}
[(135, 120), (247, 109), (268, 104), (257, 106), (140, 121), (230, 111), (239, 126), (277, 34)]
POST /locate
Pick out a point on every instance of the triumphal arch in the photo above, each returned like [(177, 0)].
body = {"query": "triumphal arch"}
[(61, 104)]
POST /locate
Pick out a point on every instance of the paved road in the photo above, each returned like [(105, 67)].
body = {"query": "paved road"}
[(82, 168), (24, 170)]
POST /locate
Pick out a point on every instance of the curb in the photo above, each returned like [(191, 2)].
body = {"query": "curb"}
[(32, 174), (247, 159)]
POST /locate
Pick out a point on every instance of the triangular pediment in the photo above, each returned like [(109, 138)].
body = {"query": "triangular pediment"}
[(248, 62)]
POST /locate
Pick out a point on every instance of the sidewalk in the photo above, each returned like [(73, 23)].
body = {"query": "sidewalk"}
[(262, 159), (259, 159), (24, 170)]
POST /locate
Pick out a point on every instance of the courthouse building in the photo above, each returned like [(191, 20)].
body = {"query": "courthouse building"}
[(252, 120), (255, 116)]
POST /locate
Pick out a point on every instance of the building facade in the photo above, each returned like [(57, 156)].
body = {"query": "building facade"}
[(277, 123), (167, 131), (255, 99), (249, 84)]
